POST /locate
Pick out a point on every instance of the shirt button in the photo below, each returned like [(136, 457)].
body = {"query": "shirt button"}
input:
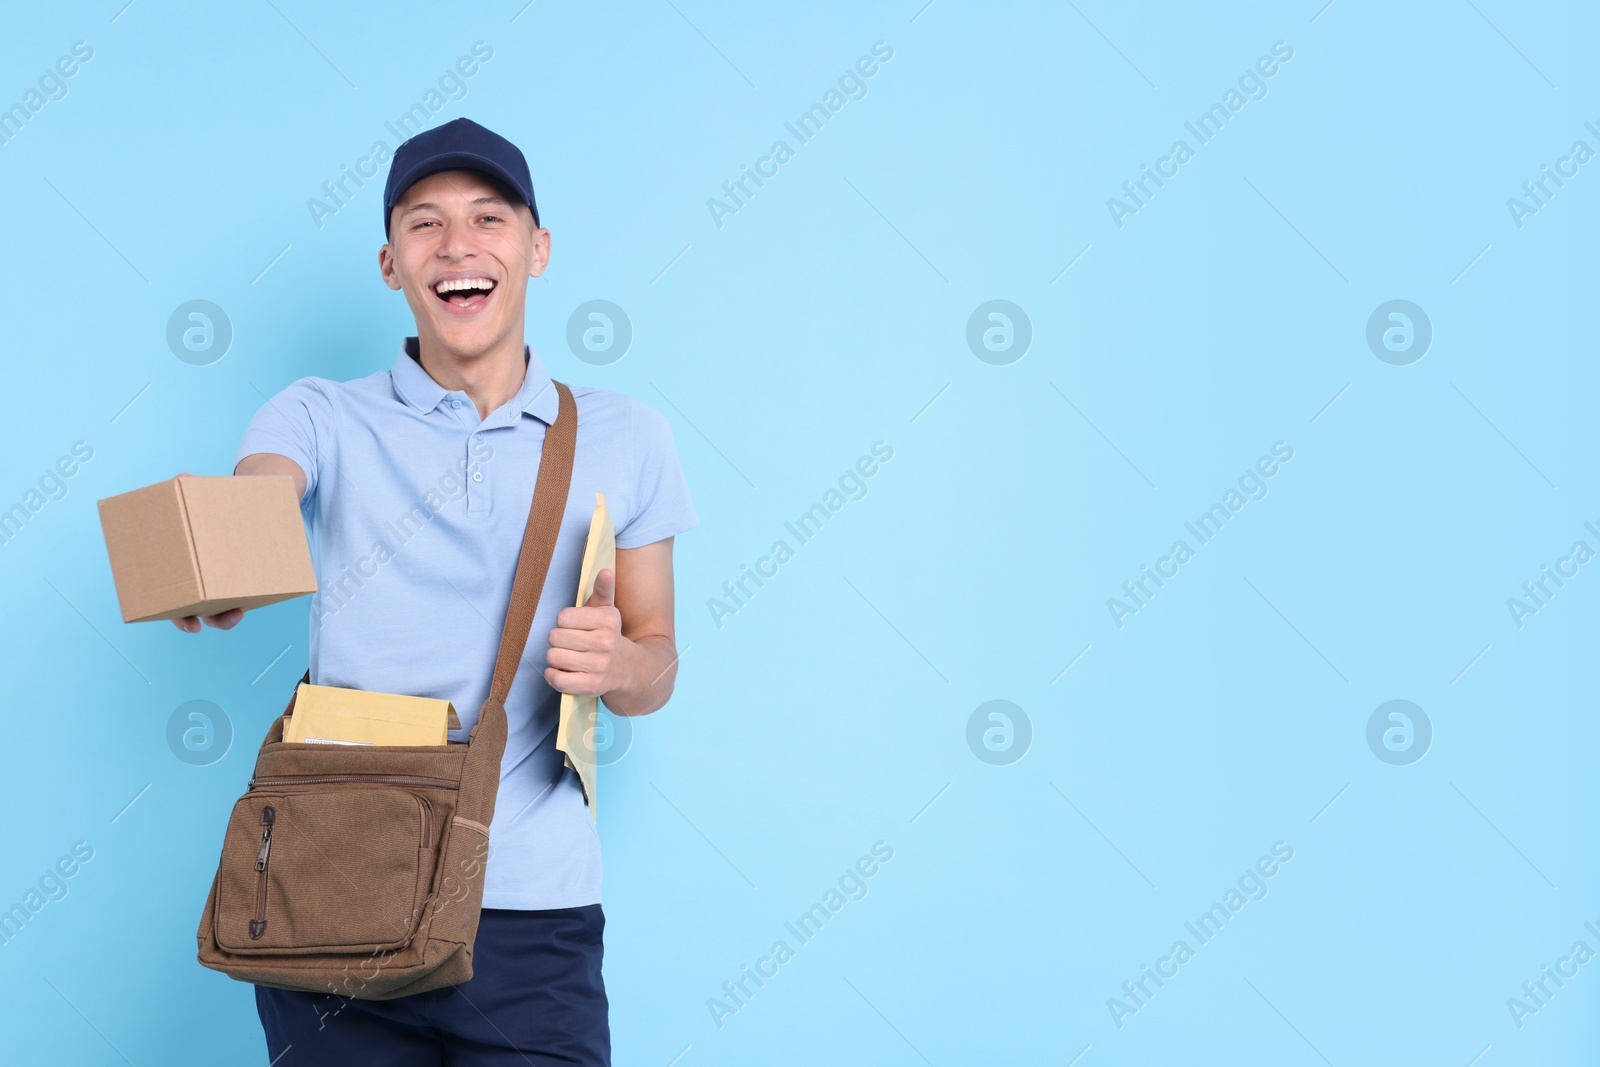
[(477, 476), (455, 403)]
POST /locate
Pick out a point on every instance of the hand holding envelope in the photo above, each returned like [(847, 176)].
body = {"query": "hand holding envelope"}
[(575, 732)]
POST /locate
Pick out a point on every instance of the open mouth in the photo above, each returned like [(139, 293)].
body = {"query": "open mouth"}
[(465, 294)]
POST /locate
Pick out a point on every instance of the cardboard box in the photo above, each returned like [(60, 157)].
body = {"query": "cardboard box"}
[(201, 545)]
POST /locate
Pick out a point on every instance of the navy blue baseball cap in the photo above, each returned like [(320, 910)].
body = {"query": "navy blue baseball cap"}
[(459, 144)]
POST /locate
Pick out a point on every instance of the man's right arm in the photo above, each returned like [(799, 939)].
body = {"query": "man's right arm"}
[(272, 463), (255, 463)]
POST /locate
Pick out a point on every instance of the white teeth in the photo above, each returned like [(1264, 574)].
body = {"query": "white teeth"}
[(463, 283)]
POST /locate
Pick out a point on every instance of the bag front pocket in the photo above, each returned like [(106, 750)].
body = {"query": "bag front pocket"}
[(324, 869)]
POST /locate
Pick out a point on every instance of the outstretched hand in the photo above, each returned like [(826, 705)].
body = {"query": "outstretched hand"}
[(190, 624)]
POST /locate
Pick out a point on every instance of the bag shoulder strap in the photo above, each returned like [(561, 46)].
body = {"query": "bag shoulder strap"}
[(533, 561), (538, 540)]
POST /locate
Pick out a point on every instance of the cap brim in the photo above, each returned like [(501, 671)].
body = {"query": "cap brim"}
[(455, 161)]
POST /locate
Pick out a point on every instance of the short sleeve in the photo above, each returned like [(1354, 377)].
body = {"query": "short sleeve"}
[(662, 507), (287, 425)]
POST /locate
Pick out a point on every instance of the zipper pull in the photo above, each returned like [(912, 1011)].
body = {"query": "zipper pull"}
[(269, 816)]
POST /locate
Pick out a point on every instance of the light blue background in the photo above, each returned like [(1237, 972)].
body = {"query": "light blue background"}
[(827, 314)]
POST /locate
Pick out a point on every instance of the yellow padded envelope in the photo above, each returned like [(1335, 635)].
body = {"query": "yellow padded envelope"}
[(329, 715), (575, 733)]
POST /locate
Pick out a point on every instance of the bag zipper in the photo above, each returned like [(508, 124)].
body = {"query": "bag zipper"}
[(374, 777), (382, 779), (258, 925)]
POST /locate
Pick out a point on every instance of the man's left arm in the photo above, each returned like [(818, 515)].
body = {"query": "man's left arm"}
[(621, 644)]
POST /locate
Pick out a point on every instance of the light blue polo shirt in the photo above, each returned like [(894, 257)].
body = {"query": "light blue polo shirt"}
[(415, 511)]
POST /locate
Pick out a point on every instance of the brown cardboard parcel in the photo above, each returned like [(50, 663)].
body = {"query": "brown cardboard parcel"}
[(201, 545)]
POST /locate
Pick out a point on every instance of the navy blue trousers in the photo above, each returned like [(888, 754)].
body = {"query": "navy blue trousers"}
[(535, 998)]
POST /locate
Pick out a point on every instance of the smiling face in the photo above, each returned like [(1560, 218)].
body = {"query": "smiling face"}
[(462, 247)]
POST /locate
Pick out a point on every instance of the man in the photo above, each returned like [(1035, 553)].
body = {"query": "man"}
[(416, 483)]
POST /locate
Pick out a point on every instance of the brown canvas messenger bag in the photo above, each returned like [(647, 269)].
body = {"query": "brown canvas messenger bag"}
[(358, 871)]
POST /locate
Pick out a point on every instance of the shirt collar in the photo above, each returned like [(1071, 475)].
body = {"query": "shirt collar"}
[(536, 395)]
